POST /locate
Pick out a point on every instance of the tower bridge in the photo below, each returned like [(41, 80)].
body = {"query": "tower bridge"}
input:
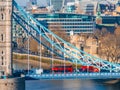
[(66, 51)]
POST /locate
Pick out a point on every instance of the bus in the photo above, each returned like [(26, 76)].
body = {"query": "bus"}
[(89, 69), (62, 69)]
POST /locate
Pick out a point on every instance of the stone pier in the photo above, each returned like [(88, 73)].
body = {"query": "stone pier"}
[(12, 84)]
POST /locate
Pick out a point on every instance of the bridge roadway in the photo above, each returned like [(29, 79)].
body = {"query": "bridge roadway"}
[(103, 75)]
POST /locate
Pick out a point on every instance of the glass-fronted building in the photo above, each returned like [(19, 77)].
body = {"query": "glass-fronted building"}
[(111, 20), (77, 23)]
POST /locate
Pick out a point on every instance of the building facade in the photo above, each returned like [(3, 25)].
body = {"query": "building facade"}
[(5, 37), (77, 23)]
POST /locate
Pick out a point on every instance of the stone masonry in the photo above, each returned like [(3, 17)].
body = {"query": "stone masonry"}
[(5, 37)]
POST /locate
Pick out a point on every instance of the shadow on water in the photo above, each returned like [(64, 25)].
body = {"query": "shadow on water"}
[(70, 85)]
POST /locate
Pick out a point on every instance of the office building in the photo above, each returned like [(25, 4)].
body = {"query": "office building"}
[(77, 23)]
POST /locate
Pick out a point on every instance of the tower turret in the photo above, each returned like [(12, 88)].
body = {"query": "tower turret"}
[(98, 16)]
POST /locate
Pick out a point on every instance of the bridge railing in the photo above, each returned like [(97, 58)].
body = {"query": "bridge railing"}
[(76, 76)]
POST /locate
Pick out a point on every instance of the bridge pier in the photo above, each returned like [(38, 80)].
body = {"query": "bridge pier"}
[(12, 84)]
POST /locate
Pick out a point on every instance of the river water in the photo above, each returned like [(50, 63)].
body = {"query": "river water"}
[(68, 84)]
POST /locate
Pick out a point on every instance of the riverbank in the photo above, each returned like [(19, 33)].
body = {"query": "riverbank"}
[(34, 61)]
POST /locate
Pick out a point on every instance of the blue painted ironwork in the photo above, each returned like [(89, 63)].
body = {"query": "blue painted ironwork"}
[(71, 53), (76, 76)]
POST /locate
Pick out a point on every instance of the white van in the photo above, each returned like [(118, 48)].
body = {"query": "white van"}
[(37, 71)]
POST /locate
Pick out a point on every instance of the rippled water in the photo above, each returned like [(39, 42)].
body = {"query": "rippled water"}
[(69, 85)]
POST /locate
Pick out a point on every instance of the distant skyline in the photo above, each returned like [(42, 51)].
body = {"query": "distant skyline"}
[(45, 2), (40, 2)]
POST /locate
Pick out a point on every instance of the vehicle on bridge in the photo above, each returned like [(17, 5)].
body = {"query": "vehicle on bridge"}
[(36, 71), (62, 69), (89, 69)]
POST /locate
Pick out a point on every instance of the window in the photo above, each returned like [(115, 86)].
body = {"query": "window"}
[(2, 59), (2, 72), (2, 37), (2, 16), (2, 52)]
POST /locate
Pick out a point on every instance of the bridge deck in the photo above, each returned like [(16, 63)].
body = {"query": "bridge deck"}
[(76, 76)]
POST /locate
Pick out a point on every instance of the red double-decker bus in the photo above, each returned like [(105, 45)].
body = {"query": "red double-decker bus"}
[(62, 68), (89, 69)]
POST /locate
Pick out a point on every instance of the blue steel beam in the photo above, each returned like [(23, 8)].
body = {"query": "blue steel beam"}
[(21, 24), (75, 76)]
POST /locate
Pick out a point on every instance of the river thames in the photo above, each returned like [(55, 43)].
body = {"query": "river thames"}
[(70, 85)]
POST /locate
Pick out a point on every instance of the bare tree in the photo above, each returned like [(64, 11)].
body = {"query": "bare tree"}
[(117, 30), (109, 45)]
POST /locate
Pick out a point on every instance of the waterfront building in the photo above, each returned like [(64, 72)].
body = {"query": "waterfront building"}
[(77, 23)]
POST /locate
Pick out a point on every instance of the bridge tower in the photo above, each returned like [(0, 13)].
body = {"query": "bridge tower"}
[(5, 37)]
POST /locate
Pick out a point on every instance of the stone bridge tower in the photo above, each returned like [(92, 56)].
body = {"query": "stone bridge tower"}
[(5, 37)]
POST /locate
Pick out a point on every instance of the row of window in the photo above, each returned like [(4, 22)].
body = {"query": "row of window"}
[(69, 20), (84, 28), (78, 27), (2, 57), (82, 22), (67, 16), (68, 26), (2, 60)]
